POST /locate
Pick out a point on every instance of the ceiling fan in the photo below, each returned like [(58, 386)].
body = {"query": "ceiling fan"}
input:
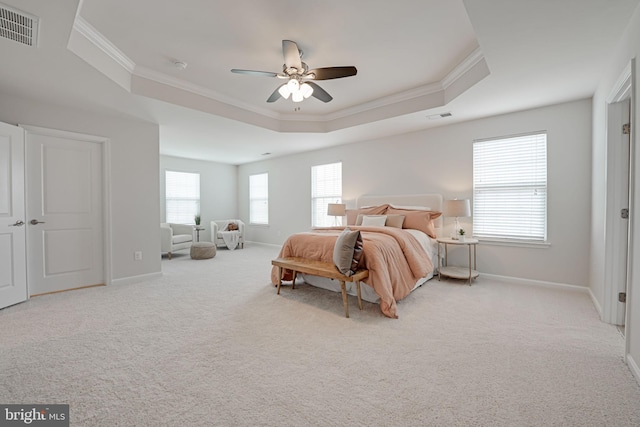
[(298, 75)]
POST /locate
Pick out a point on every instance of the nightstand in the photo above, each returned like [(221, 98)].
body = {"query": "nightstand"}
[(458, 272)]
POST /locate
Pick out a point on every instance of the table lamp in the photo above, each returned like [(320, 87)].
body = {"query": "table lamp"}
[(457, 208), (335, 210)]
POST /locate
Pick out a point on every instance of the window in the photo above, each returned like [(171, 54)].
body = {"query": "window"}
[(510, 188), (182, 194), (259, 198), (326, 187)]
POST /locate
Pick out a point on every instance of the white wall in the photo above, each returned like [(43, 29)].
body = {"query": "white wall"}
[(134, 176), (628, 48), (218, 189), (440, 160)]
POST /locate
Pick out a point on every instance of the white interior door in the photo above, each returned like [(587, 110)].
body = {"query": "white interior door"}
[(617, 223), (625, 160), (13, 271), (64, 211)]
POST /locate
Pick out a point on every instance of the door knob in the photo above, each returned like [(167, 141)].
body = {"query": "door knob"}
[(18, 223), (35, 221)]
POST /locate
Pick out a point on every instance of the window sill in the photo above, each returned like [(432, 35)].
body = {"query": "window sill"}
[(514, 243)]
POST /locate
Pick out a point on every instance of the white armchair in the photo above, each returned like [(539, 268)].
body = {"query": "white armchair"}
[(220, 225), (175, 237)]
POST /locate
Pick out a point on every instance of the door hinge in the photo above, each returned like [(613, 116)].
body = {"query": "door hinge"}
[(626, 128), (622, 297), (624, 213)]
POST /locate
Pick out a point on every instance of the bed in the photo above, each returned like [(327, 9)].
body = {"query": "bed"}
[(399, 259)]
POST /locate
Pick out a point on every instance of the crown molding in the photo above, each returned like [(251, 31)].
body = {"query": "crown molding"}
[(462, 68), (176, 83), (397, 98), (102, 43)]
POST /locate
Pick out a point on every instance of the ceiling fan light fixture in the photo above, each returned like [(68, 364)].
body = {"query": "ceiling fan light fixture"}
[(297, 96), (299, 92), (293, 85), (284, 91), (306, 90), (296, 72)]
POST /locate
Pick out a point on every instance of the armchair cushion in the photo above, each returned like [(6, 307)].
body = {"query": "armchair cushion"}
[(223, 225), (174, 237), (182, 238), (182, 229)]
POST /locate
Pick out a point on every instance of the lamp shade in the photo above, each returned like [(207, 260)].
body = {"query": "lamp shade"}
[(457, 207), (336, 209)]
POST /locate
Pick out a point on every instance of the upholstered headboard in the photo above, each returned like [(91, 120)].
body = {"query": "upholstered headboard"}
[(433, 201)]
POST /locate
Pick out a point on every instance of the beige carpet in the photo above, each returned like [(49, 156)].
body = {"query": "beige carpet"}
[(211, 344)]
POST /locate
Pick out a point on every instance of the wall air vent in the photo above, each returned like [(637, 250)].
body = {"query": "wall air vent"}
[(18, 26)]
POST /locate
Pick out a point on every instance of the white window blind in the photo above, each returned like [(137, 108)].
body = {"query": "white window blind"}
[(182, 195), (259, 198), (326, 187), (510, 188)]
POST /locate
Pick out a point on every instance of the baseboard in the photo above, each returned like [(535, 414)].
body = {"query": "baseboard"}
[(136, 279), (596, 304), (66, 290), (263, 244), (634, 367), (531, 282)]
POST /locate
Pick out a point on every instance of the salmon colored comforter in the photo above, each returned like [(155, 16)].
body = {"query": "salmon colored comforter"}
[(395, 259)]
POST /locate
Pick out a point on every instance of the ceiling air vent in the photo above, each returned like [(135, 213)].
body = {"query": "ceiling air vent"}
[(439, 116), (18, 26)]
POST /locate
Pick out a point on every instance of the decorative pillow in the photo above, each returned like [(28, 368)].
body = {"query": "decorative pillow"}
[(348, 251), (418, 220), (361, 217), (352, 214), (232, 226), (374, 220), (357, 254), (394, 221)]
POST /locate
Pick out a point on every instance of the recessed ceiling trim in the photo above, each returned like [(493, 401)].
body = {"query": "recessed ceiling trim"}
[(158, 77), (396, 98), (412, 100), (387, 101), (101, 42), (462, 68)]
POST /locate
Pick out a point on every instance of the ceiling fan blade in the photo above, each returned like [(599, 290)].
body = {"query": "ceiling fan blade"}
[(275, 95), (319, 93), (255, 73), (329, 73), (291, 55)]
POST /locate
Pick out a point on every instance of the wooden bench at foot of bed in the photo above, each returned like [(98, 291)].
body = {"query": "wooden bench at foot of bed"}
[(322, 269)]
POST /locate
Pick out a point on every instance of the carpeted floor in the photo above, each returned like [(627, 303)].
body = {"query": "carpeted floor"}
[(211, 344)]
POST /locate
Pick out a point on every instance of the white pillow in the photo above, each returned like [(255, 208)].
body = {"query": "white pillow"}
[(374, 220), (414, 208)]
